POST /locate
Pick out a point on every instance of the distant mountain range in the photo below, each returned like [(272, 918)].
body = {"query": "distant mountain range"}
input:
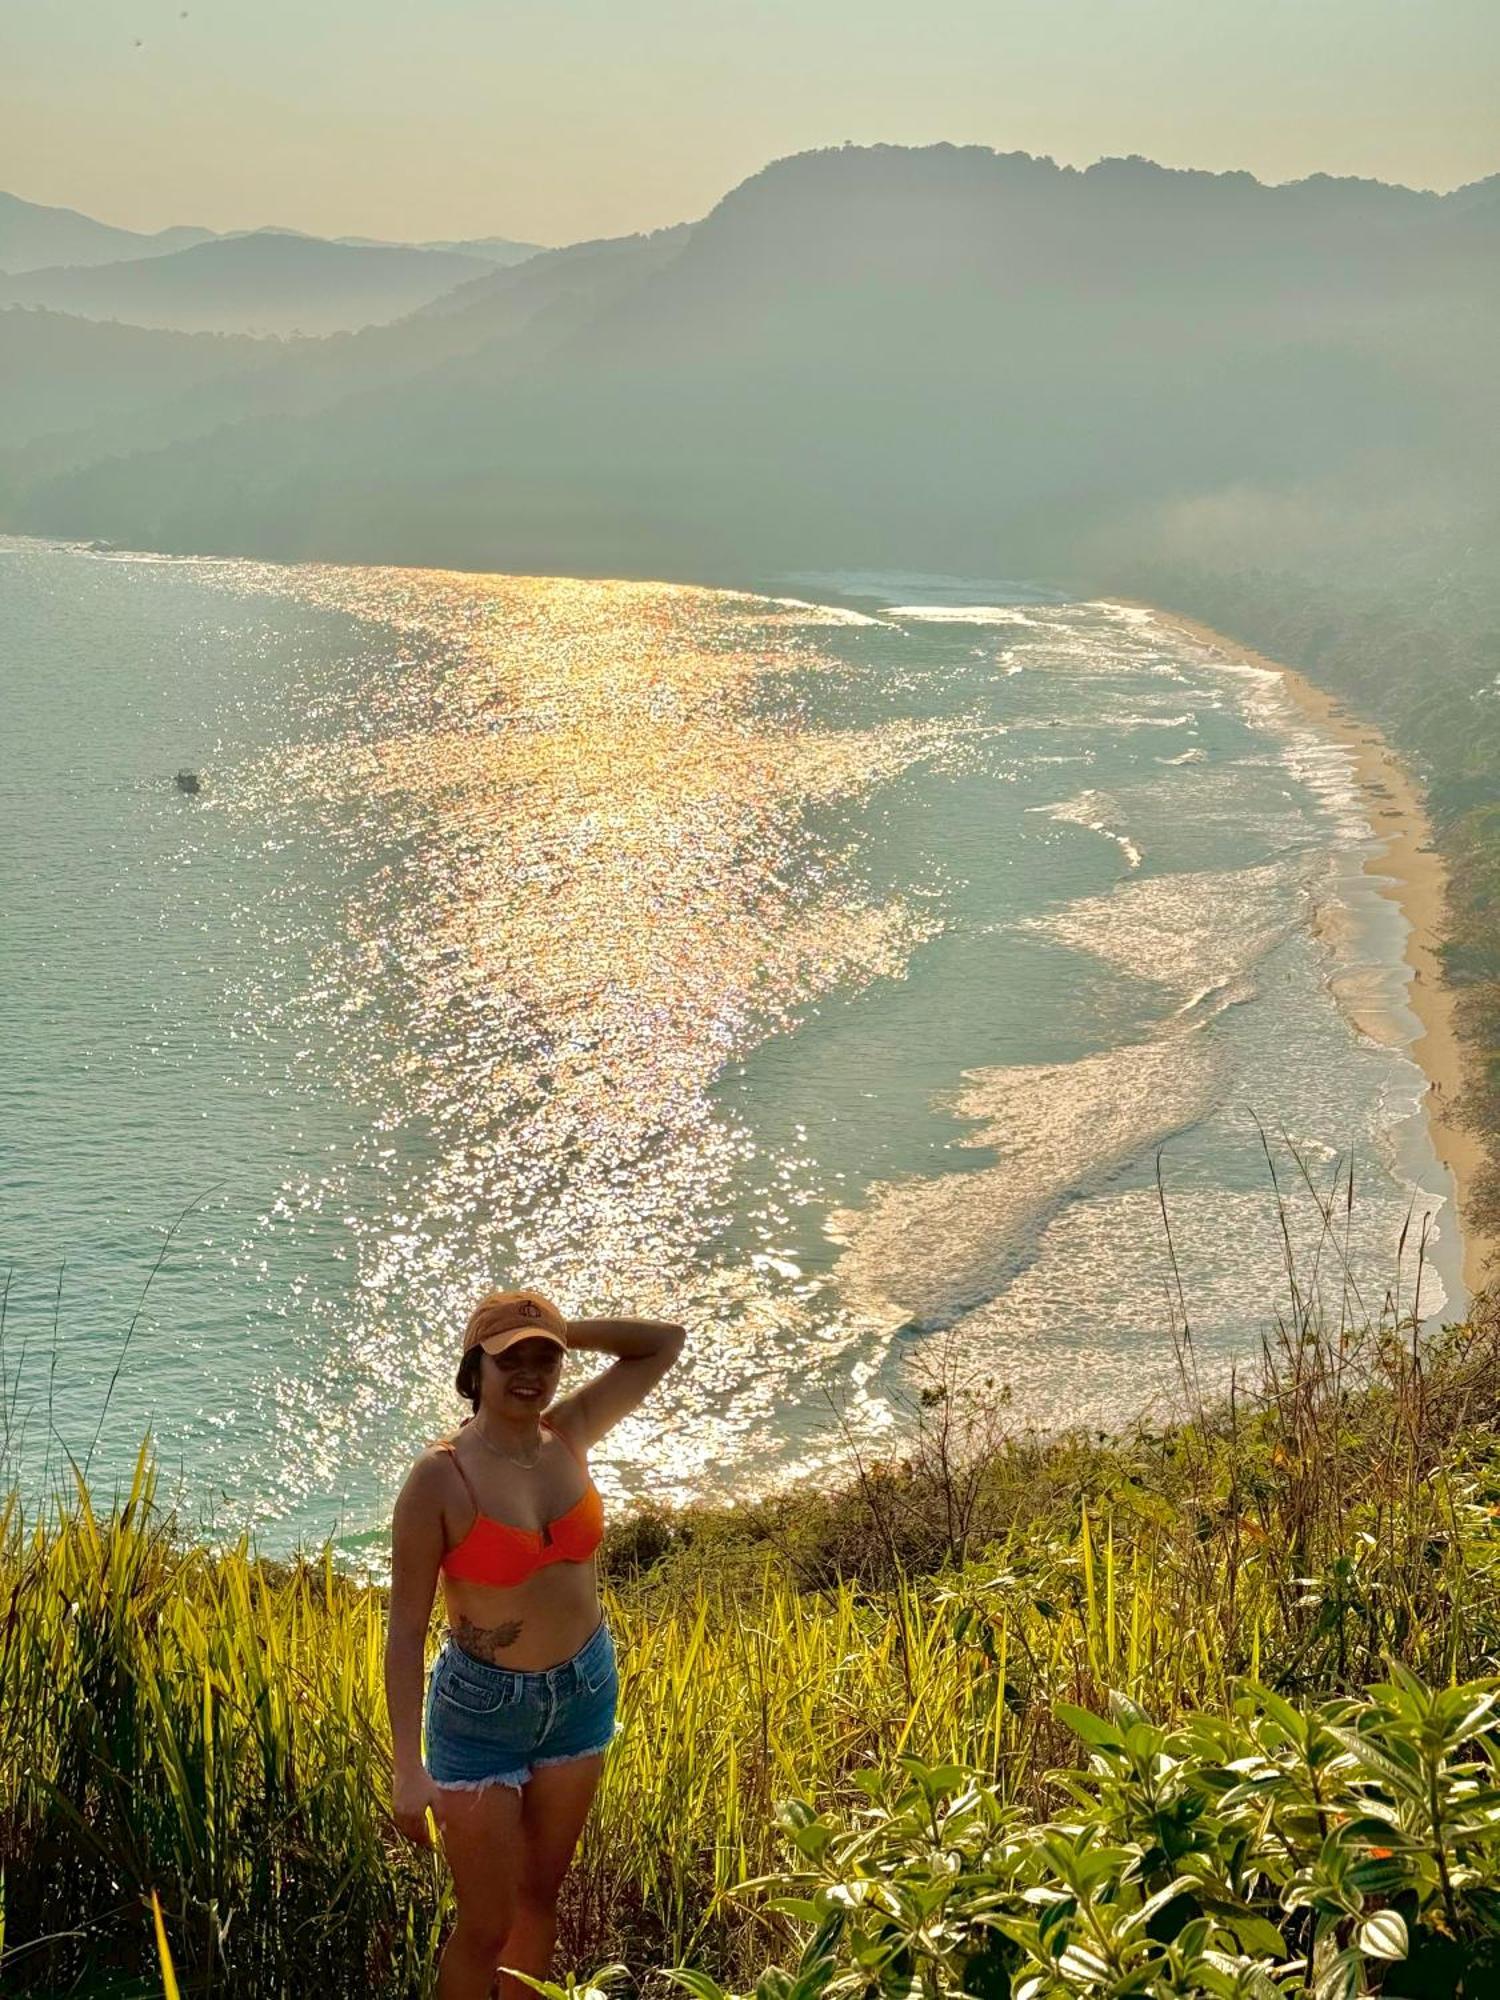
[(938, 356), (82, 390), (498, 250), (35, 238), (32, 236), (266, 283), (246, 281)]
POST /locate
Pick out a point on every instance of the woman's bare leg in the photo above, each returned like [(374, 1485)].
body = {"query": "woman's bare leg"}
[(554, 1806), (482, 1840)]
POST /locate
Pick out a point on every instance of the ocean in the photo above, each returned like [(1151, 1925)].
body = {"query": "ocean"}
[(858, 970)]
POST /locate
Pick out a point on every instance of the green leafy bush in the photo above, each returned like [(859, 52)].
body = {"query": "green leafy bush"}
[(1346, 1848)]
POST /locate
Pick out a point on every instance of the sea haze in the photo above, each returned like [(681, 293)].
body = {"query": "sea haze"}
[(825, 968)]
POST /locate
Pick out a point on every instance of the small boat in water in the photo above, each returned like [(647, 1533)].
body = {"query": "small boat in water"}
[(188, 781)]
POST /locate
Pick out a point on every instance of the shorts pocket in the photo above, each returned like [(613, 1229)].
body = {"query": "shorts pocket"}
[(602, 1671), (473, 1694)]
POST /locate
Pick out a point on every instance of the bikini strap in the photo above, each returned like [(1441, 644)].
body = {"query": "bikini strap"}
[(447, 1445)]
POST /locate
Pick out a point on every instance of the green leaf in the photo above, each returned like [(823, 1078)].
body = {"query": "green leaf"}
[(1129, 1714), (1079, 1962), (1463, 1724), (1416, 1691), (1257, 1934), (852, 1894), (1378, 1877), (1375, 1759), (1340, 1979), (697, 1983), (1383, 1935), (1279, 1710), (1138, 1919), (1373, 1830), (1092, 1728)]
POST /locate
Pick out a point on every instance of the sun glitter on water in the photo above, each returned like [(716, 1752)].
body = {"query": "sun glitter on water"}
[(598, 881), (813, 976)]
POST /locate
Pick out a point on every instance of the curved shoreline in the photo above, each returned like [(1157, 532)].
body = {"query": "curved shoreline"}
[(1410, 872)]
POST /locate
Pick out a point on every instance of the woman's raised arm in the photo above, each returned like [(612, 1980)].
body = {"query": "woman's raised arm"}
[(645, 1350)]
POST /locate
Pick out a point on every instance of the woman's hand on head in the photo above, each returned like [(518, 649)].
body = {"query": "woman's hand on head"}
[(412, 1793)]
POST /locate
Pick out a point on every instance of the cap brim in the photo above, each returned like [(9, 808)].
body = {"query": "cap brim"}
[(498, 1342)]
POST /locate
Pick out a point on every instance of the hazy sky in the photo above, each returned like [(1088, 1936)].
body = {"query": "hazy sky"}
[(558, 119)]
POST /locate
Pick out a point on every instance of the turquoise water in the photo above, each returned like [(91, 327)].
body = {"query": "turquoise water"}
[(825, 969)]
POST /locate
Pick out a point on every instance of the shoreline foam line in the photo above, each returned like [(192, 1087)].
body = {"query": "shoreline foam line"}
[(1409, 871)]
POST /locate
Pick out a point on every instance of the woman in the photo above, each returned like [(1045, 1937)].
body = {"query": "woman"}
[(522, 1697)]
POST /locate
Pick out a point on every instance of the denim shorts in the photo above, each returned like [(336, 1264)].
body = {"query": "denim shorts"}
[(494, 1725)]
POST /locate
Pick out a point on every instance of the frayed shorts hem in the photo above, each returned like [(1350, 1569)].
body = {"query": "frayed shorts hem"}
[(475, 1784), (483, 1784), (572, 1756)]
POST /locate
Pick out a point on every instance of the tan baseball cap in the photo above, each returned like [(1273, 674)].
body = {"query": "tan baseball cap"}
[(502, 1318)]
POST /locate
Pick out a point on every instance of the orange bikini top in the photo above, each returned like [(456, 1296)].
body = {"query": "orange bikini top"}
[(498, 1554)]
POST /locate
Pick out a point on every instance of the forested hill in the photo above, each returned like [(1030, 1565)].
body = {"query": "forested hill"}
[(85, 390), (943, 357)]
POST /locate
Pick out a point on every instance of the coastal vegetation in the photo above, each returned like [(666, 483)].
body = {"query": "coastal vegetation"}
[(1207, 1708)]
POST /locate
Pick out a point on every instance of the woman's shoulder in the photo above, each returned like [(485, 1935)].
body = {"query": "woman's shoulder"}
[(433, 1466), (435, 1450)]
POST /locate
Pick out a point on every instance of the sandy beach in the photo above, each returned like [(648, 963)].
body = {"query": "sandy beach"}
[(1409, 869)]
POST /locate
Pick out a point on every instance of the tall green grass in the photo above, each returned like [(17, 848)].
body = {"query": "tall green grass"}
[(209, 1728)]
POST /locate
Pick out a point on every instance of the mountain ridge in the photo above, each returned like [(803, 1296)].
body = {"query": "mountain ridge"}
[(268, 281), (30, 233), (875, 353), (37, 238)]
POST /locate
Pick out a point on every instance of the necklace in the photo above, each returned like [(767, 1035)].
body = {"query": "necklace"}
[(500, 1451)]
